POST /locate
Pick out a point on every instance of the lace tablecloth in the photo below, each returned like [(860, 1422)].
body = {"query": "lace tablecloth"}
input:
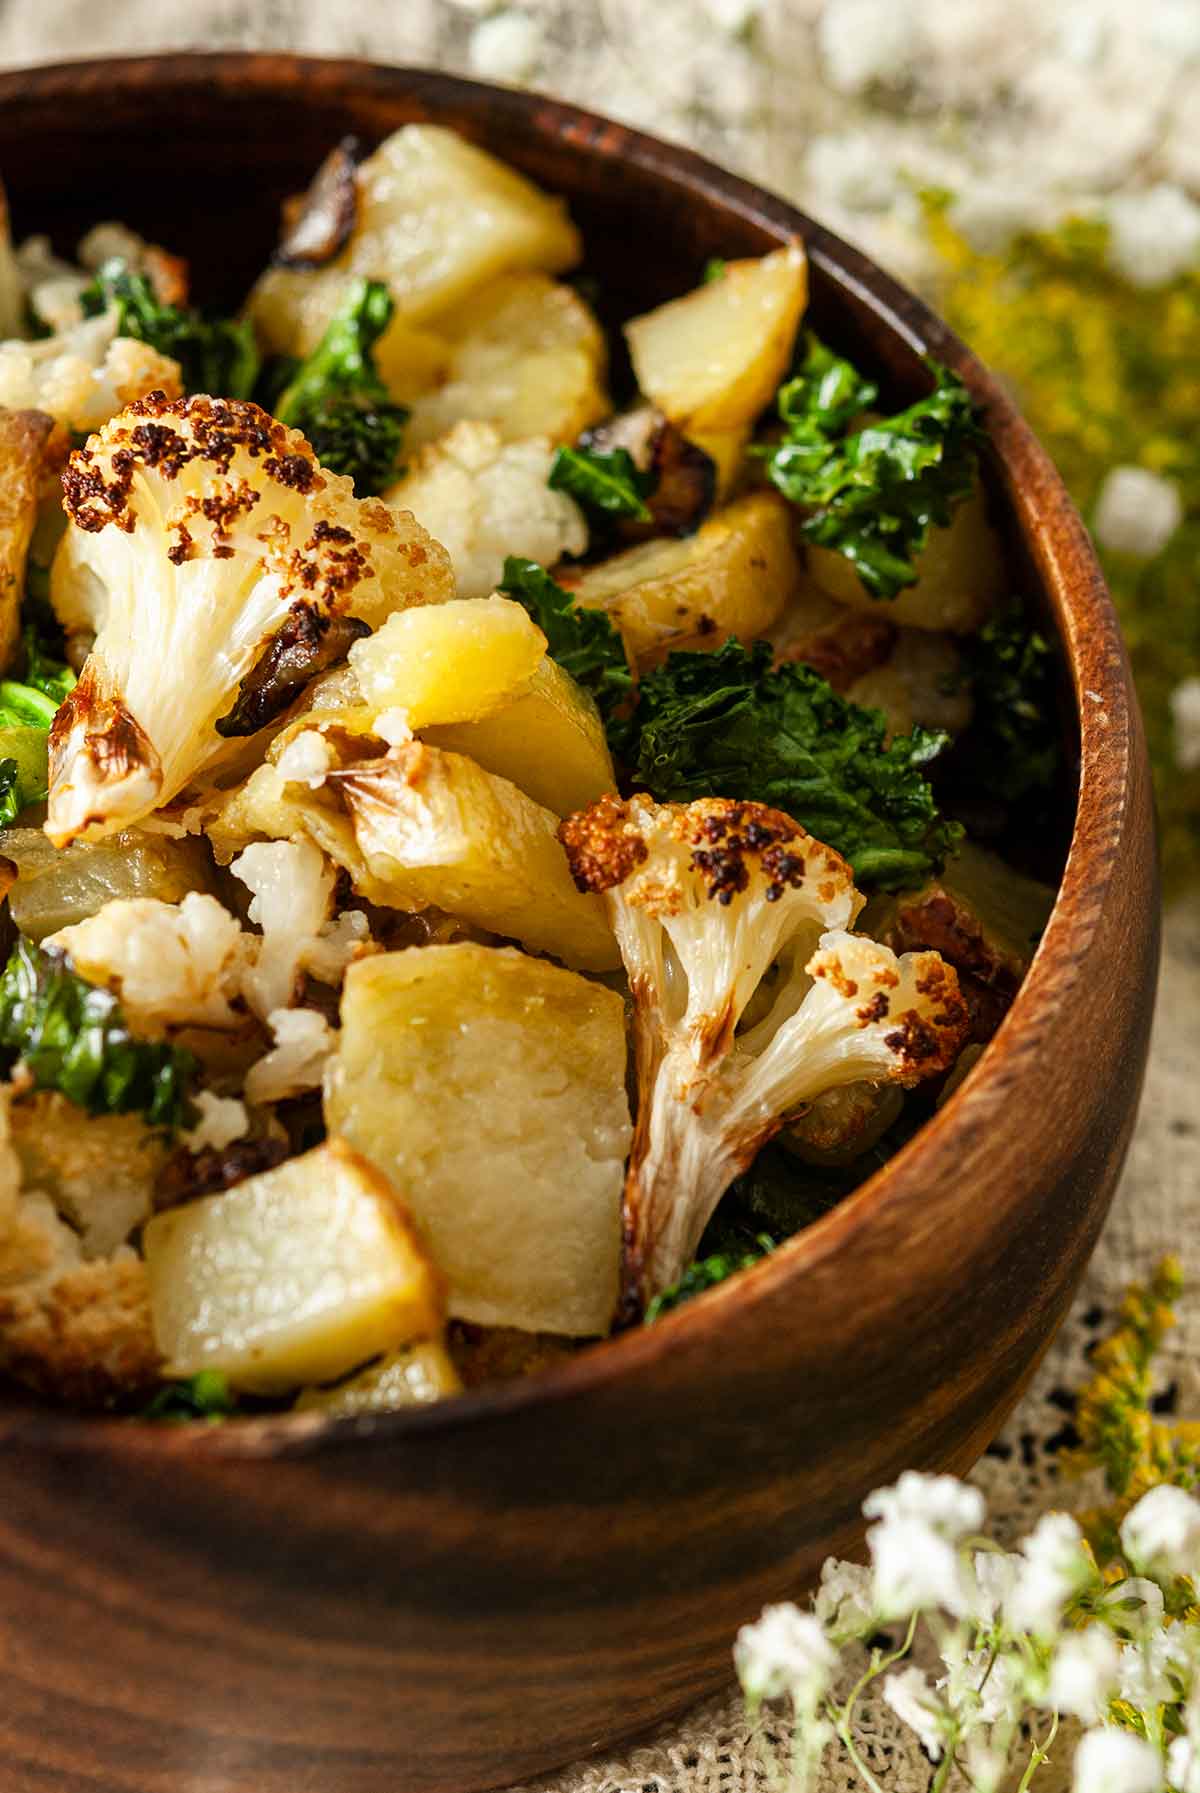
[(728, 76)]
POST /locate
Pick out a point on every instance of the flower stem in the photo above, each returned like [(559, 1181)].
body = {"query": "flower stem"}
[(1040, 1753)]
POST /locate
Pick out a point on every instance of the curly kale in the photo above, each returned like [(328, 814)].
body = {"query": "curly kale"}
[(706, 1272), (338, 399), (71, 1036), (729, 725), (1012, 749), (206, 1395), (27, 708), (584, 642), (216, 355), (604, 481), (873, 495)]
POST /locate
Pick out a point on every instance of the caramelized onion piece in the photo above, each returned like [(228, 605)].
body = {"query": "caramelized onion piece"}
[(317, 224), (308, 641)]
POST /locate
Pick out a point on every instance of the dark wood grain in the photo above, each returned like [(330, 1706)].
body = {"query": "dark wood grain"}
[(455, 1598)]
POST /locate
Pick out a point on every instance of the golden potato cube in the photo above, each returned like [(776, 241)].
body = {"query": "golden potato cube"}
[(491, 1086), (293, 1276), (436, 218), (732, 578), (527, 356), (26, 453), (59, 886), (411, 1377), (726, 449), (713, 359), (549, 741), (452, 662), (960, 575), (436, 830)]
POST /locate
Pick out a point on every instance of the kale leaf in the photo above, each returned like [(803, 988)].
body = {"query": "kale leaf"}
[(206, 1395), (874, 495), (216, 355), (337, 397), (72, 1037), (1011, 749), (27, 708), (728, 725), (584, 642), (607, 482), (706, 1272)]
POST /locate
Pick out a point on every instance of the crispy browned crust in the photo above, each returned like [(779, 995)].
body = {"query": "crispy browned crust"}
[(925, 1042), (87, 1340), (97, 744), (603, 844), (319, 223)]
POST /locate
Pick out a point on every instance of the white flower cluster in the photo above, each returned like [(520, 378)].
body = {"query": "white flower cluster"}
[(1026, 1638)]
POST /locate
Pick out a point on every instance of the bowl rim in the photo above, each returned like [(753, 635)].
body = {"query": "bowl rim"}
[(1101, 686)]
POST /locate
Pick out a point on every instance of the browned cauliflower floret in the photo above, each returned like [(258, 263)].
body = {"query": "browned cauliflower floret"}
[(707, 900), (83, 375), (219, 567)]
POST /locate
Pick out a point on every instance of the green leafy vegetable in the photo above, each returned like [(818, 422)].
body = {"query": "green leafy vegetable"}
[(72, 1037), (728, 725), (206, 1395), (874, 495), (27, 708), (715, 268), (338, 399), (216, 355), (584, 642), (1012, 747), (608, 482), (705, 1273)]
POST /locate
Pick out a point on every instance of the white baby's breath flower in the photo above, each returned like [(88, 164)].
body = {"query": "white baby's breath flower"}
[(1137, 512), (917, 1705), (1161, 1534), (734, 16), (982, 1685), (1116, 1762), (915, 1558), (948, 1506), (986, 1765), (506, 47), (1134, 1607), (1083, 1674), (843, 1602), (784, 1652), (1154, 235), (1152, 1670), (995, 1572), (1055, 1567), (1185, 718), (867, 43), (1183, 1765)]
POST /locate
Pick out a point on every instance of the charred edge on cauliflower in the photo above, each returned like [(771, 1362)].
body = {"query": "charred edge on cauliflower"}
[(319, 223), (99, 745), (214, 430)]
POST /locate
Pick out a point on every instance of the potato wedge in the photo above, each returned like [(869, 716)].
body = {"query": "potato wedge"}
[(732, 578), (436, 830), (411, 1377), (492, 1087), (453, 662), (434, 218), (24, 440), (960, 575), (526, 355), (549, 741), (292, 1276), (726, 449), (713, 359)]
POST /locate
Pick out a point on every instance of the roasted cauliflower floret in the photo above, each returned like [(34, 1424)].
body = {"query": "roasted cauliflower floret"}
[(170, 965), (83, 376), (706, 900), (219, 566), (291, 884), (484, 498)]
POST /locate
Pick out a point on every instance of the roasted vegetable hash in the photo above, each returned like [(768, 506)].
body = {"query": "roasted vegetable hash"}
[(487, 855)]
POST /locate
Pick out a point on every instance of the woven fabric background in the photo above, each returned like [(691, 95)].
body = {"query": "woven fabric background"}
[(692, 70)]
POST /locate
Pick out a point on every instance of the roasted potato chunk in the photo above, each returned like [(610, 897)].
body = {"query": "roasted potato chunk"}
[(411, 1377), (437, 831), (713, 359), (57, 887), (960, 576), (434, 218), (491, 1086), (25, 445), (292, 1276), (525, 355), (453, 662), (732, 578)]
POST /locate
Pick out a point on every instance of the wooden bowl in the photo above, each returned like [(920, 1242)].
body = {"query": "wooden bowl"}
[(457, 1597)]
